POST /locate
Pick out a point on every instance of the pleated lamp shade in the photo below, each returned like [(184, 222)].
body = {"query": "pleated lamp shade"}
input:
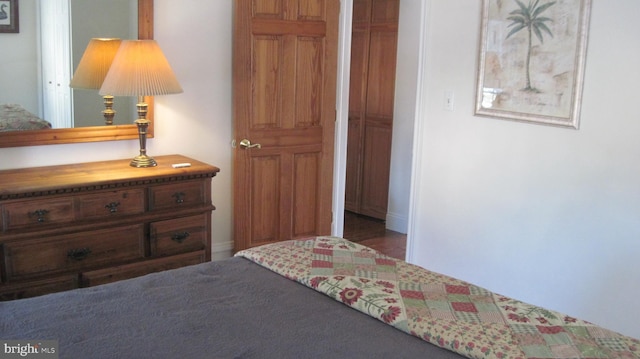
[(95, 63), (140, 69)]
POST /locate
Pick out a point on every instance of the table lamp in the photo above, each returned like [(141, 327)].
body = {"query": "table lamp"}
[(140, 69), (93, 68)]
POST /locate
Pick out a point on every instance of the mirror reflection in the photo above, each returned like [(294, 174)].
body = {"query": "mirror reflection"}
[(34, 80)]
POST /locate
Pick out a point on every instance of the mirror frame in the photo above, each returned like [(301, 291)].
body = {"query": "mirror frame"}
[(95, 133)]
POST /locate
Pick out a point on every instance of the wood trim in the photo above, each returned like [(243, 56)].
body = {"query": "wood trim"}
[(145, 19), (36, 181)]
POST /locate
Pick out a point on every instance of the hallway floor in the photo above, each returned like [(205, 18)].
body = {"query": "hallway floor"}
[(372, 233), (393, 244)]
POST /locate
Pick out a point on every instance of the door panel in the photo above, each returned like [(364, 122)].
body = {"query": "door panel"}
[(265, 196), (305, 193), (377, 156), (358, 70), (381, 76), (385, 11), (267, 82), (285, 61)]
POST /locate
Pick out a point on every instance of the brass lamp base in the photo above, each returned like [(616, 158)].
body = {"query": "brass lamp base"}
[(143, 161), (108, 112)]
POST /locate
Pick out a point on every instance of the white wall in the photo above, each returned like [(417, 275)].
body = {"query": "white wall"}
[(198, 123), (19, 69), (404, 115), (548, 215)]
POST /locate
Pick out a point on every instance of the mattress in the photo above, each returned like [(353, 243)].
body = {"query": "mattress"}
[(319, 297), (231, 308)]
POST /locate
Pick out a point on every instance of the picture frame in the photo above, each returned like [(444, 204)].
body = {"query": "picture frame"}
[(538, 78), (9, 16)]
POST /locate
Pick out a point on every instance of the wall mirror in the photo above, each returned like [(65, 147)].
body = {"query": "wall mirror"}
[(87, 133)]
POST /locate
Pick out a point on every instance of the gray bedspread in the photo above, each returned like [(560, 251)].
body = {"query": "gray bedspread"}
[(223, 309)]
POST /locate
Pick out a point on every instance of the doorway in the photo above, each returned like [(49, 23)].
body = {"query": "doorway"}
[(412, 16), (374, 37)]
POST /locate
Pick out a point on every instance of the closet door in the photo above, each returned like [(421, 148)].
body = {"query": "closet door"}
[(373, 70)]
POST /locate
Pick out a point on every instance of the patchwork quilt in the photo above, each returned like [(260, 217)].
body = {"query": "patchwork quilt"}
[(441, 310)]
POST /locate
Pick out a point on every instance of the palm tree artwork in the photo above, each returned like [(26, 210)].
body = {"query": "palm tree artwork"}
[(530, 17)]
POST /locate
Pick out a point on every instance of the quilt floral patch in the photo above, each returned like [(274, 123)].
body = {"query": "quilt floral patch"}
[(442, 310)]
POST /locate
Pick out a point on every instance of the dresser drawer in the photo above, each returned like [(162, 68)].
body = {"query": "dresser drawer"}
[(179, 235), (177, 195), (106, 204), (108, 275), (38, 287), (37, 212), (84, 250)]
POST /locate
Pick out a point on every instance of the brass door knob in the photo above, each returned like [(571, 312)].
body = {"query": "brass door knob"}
[(247, 144)]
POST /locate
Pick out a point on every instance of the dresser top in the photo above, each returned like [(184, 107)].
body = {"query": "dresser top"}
[(35, 181)]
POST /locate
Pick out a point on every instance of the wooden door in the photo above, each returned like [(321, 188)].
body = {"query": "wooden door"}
[(284, 78), (371, 99)]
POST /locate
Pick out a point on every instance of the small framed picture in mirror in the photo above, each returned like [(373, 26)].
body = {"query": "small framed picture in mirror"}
[(9, 18)]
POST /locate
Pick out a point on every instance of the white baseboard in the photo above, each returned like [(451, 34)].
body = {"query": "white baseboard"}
[(222, 250), (397, 223)]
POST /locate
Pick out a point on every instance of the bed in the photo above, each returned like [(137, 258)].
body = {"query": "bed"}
[(14, 117), (321, 297)]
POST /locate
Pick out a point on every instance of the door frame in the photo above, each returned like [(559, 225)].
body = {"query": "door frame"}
[(342, 117)]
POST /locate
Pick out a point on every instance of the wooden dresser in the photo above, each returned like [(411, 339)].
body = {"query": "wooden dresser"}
[(79, 225)]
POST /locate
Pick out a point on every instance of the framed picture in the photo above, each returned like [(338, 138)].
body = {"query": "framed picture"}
[(9, 18), (531, 61)]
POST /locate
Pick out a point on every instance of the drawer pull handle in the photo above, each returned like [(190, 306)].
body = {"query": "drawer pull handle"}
[(180, 237), (40, 213), (112, 207), (179, 197), (78, 254)]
